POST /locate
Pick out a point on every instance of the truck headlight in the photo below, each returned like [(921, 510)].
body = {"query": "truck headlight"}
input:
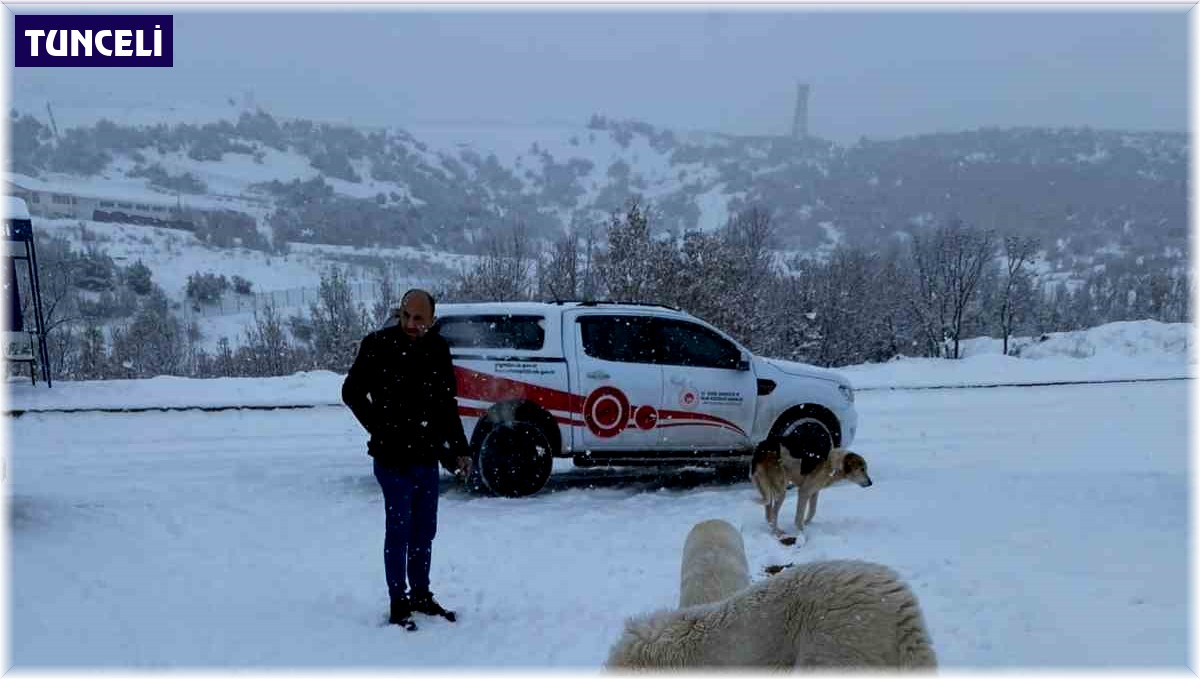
[(847, 392)]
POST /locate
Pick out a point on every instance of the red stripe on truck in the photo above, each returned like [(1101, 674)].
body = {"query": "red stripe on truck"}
[(480, 386)]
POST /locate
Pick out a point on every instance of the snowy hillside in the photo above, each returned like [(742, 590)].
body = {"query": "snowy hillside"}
[(528, 152), (289, 281), (1118, 192)]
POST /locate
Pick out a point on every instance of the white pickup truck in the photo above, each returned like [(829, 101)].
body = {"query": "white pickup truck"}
[(623, 384)]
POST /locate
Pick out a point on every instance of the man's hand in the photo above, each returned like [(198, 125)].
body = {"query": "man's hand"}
[(464, 466)]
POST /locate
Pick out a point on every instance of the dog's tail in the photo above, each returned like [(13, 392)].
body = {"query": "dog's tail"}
[(764, 494)]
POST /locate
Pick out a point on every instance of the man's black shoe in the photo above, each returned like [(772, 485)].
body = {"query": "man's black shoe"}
[(401, 614), (427, 605)]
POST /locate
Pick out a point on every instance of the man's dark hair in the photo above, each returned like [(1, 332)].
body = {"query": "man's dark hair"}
[(428, 296)]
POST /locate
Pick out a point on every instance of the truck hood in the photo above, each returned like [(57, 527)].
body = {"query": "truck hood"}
[(766, 366)]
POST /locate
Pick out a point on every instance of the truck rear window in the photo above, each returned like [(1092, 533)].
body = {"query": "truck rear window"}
[(494, 331)]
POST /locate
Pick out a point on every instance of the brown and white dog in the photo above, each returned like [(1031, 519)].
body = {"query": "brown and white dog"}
[(773, 467)]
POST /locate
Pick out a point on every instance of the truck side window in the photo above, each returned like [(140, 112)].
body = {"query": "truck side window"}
[(696, 346), (493, 331), (626, 339)]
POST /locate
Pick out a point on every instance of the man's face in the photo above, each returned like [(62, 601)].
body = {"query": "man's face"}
[(416, 316)]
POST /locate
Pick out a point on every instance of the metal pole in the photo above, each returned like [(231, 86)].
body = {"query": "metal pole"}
[(43, 352)]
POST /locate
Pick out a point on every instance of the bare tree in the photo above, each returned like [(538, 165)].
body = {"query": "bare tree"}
[(788, 303), (894, 320), (504, 273), (269, 351), (636, 267), (747, 238), (58, 268), (1160, 294), (968, 251), (686, 279), (855, 307), (928, 297), (1018, 251), (192, 350), (152, 343), (92, 354), (224, 360), (948, 263), (558, 271), (589, 277), (388, 297), (1176, 310)]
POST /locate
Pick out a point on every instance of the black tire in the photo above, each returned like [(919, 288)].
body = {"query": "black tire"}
[(805, 435), (513, 459)]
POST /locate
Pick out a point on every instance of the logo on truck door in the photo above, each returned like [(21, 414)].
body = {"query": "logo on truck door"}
[(688, 399)]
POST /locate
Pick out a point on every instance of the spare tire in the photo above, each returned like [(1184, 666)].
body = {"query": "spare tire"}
[(514, 459)]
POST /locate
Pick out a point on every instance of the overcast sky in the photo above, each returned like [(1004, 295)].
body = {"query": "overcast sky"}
[(872, 73)]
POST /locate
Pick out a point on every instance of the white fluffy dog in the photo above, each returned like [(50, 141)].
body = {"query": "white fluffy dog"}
[(714, 563), (826, 615)]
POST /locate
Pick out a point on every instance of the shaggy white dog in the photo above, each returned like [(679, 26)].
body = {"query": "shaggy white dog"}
[(714, 563), (830, 614)]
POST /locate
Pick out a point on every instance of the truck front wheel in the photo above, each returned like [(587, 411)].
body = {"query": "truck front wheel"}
[(807, 431)]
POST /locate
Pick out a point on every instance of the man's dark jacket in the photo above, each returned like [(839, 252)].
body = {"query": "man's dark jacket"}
[(402, 391)]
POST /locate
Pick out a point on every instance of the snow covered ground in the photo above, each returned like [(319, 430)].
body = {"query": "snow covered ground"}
[(1040, 526)]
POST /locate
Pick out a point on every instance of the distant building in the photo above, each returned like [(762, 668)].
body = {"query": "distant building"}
[(800, 116), (59, 203)]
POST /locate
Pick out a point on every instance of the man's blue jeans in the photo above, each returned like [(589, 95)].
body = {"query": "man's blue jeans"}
[(410, 499)]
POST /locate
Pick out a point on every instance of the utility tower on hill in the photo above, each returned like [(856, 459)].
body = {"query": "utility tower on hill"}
[(800, 118)]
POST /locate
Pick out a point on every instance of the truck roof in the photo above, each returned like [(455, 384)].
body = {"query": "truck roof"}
[(15, 208), (544, 308)]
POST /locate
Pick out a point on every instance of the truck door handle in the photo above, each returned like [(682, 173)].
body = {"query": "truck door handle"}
[(598, 375)]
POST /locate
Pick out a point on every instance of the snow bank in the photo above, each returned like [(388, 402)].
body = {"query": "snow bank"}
[(304, 388), (1116, 351)]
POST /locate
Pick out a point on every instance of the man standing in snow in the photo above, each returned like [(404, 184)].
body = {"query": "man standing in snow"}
[(402, 390)]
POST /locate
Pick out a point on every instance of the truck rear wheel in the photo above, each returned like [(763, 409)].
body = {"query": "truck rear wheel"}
[(514, 459)]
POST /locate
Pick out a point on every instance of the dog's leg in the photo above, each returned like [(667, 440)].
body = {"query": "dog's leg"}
[(801, 506), (773, 514), (812, 508), (773, 518)]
